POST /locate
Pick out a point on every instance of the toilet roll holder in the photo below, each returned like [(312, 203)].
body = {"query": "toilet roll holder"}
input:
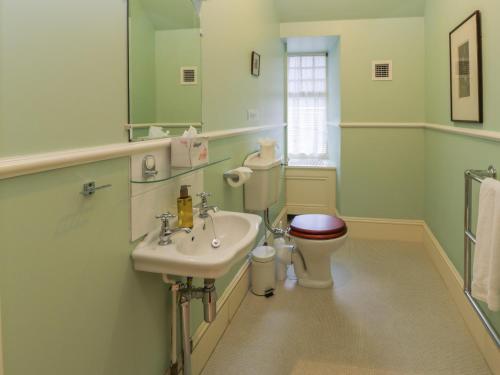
[(233, 176)]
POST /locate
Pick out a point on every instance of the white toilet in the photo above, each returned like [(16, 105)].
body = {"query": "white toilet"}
[(315, 237)]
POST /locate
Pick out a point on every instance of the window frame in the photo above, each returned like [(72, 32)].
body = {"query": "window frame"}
[(327, 96)]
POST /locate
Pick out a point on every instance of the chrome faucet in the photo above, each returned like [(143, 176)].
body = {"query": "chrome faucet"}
[(165, 232), (204, 207)]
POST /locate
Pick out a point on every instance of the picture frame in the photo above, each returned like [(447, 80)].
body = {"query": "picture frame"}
[(466, 71), (255, 64)]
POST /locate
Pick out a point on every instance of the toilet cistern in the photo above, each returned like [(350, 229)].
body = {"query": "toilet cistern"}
[(314, 237)]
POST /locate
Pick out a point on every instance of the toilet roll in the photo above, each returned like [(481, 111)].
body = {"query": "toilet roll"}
[(242, 175), (268, 148)]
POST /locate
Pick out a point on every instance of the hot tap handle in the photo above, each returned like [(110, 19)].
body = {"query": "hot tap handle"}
[(166, 217), (204, 194)]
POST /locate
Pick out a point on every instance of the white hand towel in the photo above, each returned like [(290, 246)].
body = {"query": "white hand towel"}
[(486, 269)]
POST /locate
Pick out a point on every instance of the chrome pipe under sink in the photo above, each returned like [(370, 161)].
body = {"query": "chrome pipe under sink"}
[(187, 346), (208, 295)]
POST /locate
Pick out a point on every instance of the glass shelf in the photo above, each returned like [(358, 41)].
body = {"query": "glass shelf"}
[(176, 172)]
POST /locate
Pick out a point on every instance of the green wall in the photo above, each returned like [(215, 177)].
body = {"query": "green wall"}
[(441, 17), (448, 155), (228, 88), (382, 173), (71, 302), (361, 42), (334, 109), (59, 89), (295, 11)]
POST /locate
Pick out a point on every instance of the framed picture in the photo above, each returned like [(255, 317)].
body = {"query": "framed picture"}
[(255, 64), (466, 75)]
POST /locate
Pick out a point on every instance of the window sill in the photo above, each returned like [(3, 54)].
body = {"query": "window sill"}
[(311, 163)]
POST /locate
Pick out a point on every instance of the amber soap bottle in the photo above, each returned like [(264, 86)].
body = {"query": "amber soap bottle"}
[(185, 208)]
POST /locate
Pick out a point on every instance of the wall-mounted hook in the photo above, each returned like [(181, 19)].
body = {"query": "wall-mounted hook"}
[(89, 188)]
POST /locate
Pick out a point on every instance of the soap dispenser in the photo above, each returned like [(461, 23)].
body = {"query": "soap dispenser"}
[(185, 208)]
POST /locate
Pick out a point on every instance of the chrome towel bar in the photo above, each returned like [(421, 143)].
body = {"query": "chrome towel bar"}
[(90, 189), (469, 239)]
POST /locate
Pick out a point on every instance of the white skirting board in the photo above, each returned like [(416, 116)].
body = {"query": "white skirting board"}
[(208, 335), (385, 229), (454, 282)]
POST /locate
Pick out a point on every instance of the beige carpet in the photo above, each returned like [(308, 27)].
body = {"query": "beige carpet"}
[(388, 313)]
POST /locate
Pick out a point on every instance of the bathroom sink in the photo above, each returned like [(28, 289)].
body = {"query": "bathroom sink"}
[(192, 254)]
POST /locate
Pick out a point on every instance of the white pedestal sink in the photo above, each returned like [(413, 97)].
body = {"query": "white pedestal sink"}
[(192, 255)]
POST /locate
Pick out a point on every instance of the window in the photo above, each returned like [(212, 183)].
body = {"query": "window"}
[(307, 101)]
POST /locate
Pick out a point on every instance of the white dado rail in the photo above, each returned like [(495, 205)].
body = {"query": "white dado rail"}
[(368, 125), (35, 163), (29, 164), (475, 133)]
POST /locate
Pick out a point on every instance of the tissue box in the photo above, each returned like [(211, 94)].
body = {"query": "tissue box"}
[(188, 152)]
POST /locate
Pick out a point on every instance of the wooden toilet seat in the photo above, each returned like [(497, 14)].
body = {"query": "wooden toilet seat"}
[(318, 227)]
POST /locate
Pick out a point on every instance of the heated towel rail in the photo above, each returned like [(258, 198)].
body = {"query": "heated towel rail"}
[(469, 239)]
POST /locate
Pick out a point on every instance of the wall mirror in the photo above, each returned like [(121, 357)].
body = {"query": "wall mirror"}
[(164, 46)]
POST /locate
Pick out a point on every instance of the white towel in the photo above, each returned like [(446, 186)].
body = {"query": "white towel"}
[(486, 270)]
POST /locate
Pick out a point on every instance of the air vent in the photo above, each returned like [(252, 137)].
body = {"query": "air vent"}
[(382, 70), (189, 75)]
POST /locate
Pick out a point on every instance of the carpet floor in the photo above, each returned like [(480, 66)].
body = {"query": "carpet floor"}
[(389, 312)]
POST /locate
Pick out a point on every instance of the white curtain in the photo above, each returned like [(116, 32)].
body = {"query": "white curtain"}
[(307, 100)]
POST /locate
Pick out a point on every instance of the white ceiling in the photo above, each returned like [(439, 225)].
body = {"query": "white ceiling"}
[(319, 10)]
